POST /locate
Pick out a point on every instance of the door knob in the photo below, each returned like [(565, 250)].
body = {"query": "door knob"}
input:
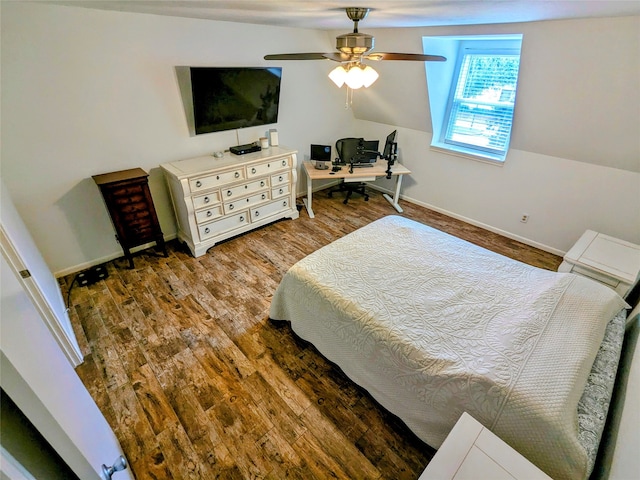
[(119, 464)]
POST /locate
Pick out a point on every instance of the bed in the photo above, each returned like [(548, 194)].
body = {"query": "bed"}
[(432, 326)]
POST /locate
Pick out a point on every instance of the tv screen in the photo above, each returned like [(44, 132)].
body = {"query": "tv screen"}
[(321, 153), (227, 98)]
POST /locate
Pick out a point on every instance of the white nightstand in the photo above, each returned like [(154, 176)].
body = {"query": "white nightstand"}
[(472, 451), (608, 260)]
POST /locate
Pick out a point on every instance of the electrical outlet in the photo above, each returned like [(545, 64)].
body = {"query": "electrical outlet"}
[(524, 218)]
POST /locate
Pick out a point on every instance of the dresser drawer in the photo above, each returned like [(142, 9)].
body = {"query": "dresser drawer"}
[(280, 191), (203, 216), (268, 167), (210, 198), (131, 208), (246, 202), (215, 180), (263, 211), (598, 277), (133, 199), (125, 190), (138, 223), (245, 189), (223, 225), (279, 179)]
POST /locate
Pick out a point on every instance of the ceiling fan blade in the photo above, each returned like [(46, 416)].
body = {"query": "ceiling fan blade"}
[(297, 56), (418, 57), (338, 56)]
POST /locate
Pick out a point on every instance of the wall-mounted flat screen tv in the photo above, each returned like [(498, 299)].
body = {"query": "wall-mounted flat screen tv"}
[(227, 98)]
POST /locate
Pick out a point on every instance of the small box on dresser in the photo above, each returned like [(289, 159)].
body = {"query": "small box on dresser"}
[(218, 198)]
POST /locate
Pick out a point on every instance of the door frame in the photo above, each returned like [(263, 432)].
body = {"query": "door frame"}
[(68, 345)]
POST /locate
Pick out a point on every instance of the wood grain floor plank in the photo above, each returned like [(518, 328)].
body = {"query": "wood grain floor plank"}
[(159, 411), (336, 443), (132, 426), (197, 382)]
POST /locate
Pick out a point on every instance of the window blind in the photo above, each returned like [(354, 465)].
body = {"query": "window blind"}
[(482, 106)]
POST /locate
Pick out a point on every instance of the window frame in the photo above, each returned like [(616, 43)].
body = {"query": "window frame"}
[(448, 80)]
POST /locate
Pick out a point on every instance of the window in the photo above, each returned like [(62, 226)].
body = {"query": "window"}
[(481, 83)]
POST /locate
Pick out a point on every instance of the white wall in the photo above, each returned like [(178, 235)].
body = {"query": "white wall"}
[(562, 197), (86, 92), (574, 162)]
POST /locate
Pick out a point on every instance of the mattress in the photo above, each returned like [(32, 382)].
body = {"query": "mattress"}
[(433, 326)]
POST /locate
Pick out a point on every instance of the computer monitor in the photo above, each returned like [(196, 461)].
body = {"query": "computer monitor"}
[(321, 154), (367, 151), (390, 146), (347, 149)]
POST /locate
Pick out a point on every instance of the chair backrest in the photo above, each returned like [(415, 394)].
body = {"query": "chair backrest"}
[(347, 148)]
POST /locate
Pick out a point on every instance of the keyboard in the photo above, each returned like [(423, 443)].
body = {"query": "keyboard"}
[(362, 165)]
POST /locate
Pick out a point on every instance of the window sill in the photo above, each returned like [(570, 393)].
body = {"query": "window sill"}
[(469, 154)]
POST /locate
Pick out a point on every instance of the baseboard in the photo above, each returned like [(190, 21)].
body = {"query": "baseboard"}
[(471, 221), (107, 258)]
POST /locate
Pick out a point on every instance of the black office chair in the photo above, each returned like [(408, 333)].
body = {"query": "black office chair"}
[(347, 149)]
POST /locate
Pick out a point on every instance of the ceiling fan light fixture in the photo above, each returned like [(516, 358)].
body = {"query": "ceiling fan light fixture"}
[(338, 76), (370, 76), (355, 78)]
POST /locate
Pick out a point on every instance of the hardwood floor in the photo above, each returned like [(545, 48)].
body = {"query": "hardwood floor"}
[(197, 383)]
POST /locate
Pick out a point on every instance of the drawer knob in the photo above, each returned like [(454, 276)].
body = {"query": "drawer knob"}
[(217, 177), (206, 230), (281, 191), (262, 183), (263, 196), (198, 183), (242, 218), (231, 206), (237, 174), (253, 170), (280, 178), (209, 213), (257, 213), (284, 163), (284, 204), (268, 165), (246, 186), (207, 199), (229, 193), (248, 200)]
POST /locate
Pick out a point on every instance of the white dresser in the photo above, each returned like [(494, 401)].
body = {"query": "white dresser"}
[(218, 198)]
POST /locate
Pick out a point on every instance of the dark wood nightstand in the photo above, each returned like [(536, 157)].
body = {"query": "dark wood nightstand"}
[(128, 199)]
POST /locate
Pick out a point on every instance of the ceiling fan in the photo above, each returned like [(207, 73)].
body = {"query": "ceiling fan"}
[(355, 47)]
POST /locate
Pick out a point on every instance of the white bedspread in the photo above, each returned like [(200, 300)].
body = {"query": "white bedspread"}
[(433, 326)]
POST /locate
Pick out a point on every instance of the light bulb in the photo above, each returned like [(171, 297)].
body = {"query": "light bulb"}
[(370, 76), (338, 75), (355, 78)]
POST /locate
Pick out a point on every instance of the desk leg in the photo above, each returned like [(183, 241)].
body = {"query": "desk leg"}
[(394, 201), (307, 201)]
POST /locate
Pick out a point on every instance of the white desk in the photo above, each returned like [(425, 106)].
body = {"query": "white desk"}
[(368, 174)]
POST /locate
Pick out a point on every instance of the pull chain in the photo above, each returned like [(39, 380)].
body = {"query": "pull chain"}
[(349, 100)]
